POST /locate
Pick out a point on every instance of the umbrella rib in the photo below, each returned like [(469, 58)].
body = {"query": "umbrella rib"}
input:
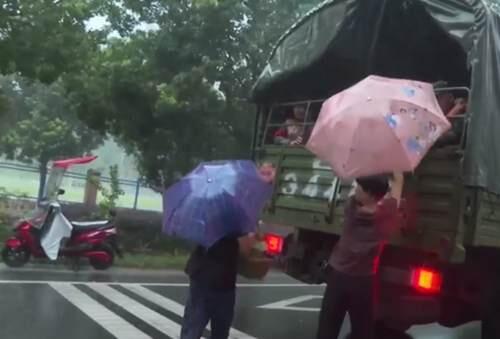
[(399, 141), (393, 133)]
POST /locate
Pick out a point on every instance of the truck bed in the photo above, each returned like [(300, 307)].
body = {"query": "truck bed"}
[(308, 196)]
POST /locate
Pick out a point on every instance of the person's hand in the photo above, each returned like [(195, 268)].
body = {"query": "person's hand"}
[(398, 180), (461, 104), (397, 176), (267, 172), (297, 141), (247, 243), (459, 108)]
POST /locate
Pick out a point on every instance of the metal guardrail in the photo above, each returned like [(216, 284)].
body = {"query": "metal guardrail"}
[(136, 184), (308, 103)]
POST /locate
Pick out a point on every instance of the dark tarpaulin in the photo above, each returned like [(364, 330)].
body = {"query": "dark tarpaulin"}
[(342, 41)]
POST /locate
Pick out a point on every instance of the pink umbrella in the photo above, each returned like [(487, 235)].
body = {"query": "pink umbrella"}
[(377, 126)]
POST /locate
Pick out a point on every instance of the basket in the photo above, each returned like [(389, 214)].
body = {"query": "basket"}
[(256, 266)]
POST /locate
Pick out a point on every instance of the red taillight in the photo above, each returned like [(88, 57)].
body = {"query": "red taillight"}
[(274, 244), (426, 280)]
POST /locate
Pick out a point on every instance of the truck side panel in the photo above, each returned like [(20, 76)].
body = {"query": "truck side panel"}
[(487, 225), (308, 196), (305, 190)]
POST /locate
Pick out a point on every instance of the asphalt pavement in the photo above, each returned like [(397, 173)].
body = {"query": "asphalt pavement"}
[(133, 304)]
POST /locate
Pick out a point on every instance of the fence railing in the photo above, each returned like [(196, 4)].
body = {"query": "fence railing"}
[(20, 179)]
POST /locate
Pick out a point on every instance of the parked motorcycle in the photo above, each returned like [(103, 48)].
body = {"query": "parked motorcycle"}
[(47, 233)]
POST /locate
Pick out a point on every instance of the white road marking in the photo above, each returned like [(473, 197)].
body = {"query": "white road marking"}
[(143, 283), (285, 305), (175, 307), (154, 319), (115, 325)]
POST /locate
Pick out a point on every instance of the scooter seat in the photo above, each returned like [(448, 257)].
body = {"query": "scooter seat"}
[(82, 226)]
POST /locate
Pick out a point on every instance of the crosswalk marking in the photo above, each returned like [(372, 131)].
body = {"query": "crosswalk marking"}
[(116, 325), (174, 307), (287, 304), (111, 322), (154, 319), (242, 285)]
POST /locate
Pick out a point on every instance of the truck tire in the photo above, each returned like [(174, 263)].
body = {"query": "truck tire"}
[(490, 309), (318, 267), (382, 331)]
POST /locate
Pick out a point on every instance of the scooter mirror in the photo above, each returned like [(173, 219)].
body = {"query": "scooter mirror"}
[(60, 191)]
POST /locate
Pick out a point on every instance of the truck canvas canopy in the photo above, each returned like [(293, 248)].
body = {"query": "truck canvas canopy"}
[(340, 42)]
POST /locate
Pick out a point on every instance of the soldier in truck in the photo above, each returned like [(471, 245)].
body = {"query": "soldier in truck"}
[(293, 132), (454, 108), (451, 106), (371, 213)]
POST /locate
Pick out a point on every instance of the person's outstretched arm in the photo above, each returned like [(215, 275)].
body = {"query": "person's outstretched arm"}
[(246, 243), (397, 183)]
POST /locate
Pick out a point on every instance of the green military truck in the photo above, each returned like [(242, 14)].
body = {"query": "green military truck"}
[(443, 266)]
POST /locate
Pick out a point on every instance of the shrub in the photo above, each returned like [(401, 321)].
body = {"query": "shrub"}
[(110, 196)]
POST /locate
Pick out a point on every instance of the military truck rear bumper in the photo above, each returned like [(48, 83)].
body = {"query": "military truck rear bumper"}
[(400, 310), (400, 305)]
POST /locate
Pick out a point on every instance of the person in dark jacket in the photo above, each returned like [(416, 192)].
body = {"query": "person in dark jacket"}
[(212, 273), (370, 220), (212, 289)]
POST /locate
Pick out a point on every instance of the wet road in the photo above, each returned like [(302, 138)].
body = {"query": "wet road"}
[(45, 304)]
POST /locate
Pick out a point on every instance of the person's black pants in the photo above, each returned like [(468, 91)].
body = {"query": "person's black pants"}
[(205, 304), (347, 294)]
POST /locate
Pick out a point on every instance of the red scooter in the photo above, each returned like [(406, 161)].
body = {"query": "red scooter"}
[(48, 234)]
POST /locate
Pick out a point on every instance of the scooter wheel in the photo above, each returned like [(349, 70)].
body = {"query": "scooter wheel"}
[(15, 257), (100, 264)]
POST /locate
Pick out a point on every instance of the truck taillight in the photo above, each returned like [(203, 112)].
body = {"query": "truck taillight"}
[(426, 280), (274, 244)]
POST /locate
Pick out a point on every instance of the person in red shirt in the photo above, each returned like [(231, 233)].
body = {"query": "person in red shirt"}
[(450, 105), (452, 108), (370, 220), (293, 131)]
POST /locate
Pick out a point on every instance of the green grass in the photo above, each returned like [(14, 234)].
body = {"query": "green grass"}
[(152, 261), (5, 232), (26, 183)]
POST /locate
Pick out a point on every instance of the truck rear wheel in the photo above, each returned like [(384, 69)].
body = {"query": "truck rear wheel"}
[(490, 309), (318, 267), (382, 331)]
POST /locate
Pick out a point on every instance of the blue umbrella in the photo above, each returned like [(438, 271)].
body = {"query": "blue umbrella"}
[(215, 200)]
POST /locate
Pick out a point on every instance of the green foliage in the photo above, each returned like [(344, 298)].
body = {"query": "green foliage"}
[(43, 124), (110, 196), (173, 96), (5, 232), (178, 95), (3, 104), (3, 194), (43, 39)]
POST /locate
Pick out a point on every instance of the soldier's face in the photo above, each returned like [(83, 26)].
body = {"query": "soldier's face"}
[(446, 102), (299, 112)]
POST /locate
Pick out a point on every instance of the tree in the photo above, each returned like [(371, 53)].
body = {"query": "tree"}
[(42, 125), (178, 95), (110, 196), (42, 39)]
